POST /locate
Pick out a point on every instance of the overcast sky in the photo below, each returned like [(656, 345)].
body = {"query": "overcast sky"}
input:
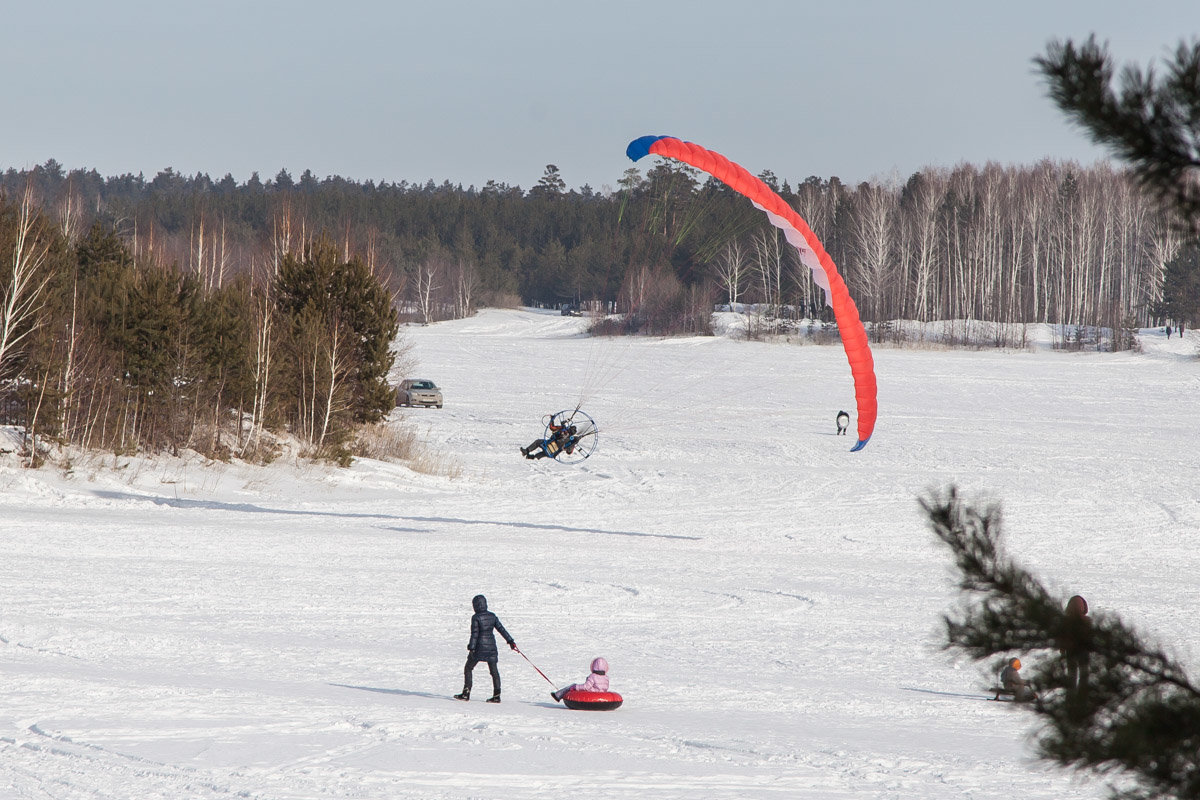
[(470, 91)]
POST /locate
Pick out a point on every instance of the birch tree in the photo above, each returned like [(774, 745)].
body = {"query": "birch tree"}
[(768, 264), (874, 211), (70, 214), (264, 352), (24, 283), (430, 274), (466, 280), (729, 270), (337, 368), (922, 220)]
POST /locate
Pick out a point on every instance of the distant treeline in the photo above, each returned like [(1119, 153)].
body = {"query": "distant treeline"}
[(1052, 242), (186, 312), (153, 313)]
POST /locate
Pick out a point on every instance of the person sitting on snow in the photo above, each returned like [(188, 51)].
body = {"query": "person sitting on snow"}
[(596, 682), (562, 438), (1011, 681)]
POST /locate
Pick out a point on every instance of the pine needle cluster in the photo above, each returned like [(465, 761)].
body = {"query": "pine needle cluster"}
[(1152, 121), (1134, 712)]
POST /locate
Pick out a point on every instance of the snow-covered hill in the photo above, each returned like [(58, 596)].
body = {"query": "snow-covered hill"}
[(769, 601)]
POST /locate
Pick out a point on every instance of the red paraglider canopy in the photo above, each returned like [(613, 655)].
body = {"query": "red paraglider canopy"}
[(811, 251)]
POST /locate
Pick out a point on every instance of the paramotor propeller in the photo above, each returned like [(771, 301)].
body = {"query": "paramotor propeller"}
[(571, 436)]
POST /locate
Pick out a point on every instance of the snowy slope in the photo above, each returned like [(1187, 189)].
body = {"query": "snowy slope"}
[(769, 602)]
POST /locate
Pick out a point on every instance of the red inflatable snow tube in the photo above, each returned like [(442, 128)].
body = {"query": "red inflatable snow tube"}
[(591, 701)]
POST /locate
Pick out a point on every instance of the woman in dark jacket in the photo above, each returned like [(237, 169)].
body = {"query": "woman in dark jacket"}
[(482, 647), (1075, 644)]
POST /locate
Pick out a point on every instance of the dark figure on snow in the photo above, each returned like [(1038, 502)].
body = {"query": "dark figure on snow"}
[(1011, 681), (1168, 331), (561, 439), (482, 647), (1075, 644), (843, 422)]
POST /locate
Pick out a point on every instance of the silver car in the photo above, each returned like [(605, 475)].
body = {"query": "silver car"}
[(418, 392)]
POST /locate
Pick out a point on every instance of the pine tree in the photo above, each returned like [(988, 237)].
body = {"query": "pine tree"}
[(1134, 712), (550, 184), (341, 325), (224, 341), (1181, 286), (1152, 123)]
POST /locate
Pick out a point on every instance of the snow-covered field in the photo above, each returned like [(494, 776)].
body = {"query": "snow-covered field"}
[(769, 602)]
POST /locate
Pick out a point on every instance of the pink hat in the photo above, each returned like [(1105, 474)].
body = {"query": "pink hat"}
[(599, 665)]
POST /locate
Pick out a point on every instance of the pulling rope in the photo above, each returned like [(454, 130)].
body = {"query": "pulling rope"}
[(539, 672)]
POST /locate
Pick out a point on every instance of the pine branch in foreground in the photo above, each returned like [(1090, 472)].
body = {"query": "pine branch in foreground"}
[(1152, 123), (1126, 707)]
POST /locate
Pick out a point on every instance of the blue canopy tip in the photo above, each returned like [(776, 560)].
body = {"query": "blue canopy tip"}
[(640, 147), (861, 444)]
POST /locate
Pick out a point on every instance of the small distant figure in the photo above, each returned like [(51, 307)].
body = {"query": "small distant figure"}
[(482, 647), (596, 682), (1011, 681), (843, 422), (1168, 331), (1075, 644), (1181, 330)]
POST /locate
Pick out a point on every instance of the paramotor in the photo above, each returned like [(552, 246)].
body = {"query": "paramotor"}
[(571, 436)]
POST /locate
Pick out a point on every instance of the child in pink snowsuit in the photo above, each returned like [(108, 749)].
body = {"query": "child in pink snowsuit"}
[(596, 682)]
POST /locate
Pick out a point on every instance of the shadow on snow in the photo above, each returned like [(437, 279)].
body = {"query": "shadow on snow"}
[(250, 508), (541, 526), (429, 695), (215, 505)]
